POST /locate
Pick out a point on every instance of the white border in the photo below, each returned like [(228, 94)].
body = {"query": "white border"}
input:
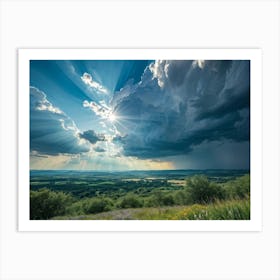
[(254, 55)]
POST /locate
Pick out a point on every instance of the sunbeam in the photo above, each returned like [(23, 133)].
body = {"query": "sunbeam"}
[(132, 111)]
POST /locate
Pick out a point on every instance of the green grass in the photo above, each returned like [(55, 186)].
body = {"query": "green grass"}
[(221, 210)]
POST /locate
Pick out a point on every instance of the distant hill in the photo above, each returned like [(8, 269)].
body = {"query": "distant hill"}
[(141, 173)]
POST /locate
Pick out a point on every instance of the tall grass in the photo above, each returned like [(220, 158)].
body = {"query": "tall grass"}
[(222, 210)]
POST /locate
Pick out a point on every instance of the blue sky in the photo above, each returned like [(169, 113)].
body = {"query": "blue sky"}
[(136, 114)]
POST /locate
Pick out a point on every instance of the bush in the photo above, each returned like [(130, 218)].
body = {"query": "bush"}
[(45, 204), (238, 188), (202, 191), (130, 201), (160, 198), (96, 205), (168, 200), (182, 198), (77, 208)]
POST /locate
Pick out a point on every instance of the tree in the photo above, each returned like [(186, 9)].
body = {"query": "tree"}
[(131, 201), (97, 205), (45, 204), (201, 190), (238, 188)]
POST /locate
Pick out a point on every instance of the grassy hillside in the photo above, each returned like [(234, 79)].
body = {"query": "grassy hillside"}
[(199, 198), (226, 210)]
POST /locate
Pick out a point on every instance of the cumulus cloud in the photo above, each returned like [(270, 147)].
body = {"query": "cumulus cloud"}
[(88, 80), (199, 63), (91, 136), (101, 110), (52, 132), (159, 71), (170, 71), (39, 102), (178, 105)]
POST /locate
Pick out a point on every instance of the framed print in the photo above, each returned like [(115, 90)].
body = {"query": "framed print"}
[(140, 139), (118, 109)]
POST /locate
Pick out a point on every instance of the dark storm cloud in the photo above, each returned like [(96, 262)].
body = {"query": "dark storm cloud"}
[(181, 104), (215, 155), (177, 71), (52, 132), (91, 136)]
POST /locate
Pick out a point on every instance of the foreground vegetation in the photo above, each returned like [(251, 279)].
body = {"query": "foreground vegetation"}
[(220, 210), (199, 199)]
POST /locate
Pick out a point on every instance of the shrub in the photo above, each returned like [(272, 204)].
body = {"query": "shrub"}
[(201, 190), (45, 204), (238, 188), (130, 201), (75, 209), (182, 198), (168, 200), (96, 205), (159, 198)]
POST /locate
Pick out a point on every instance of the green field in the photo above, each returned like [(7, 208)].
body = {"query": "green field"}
[(140, 196)]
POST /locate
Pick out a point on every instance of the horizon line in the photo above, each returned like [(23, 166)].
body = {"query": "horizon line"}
[(130, 170)]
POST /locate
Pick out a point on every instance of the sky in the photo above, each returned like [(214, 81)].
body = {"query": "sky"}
[(139, 114)]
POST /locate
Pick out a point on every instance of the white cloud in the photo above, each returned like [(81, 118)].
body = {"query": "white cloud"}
[(100, 110), (88, 80), (68, 125), (43, 104), (52, 132), (199, 63), (159, 70)]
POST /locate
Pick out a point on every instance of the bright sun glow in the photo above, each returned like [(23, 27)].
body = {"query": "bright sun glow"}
[(112, 117)]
